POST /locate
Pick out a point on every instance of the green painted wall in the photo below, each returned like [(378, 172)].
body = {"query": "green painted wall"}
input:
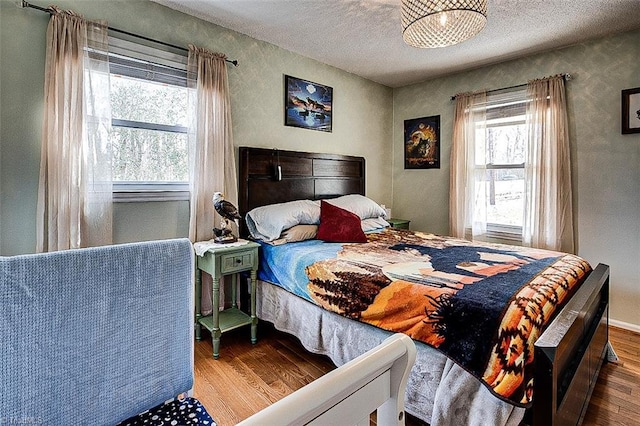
[(606, 163), (362, 111)]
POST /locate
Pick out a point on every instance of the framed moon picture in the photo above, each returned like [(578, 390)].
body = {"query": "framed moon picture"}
[(422, 143), (307, 105)]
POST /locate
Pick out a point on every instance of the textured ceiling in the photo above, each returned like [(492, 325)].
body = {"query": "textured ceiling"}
[(364, 36)]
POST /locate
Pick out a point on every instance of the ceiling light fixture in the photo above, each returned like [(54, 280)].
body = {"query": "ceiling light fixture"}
[(439, 23)]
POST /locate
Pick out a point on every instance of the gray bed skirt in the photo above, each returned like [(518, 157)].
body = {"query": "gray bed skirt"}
[(439, 391)]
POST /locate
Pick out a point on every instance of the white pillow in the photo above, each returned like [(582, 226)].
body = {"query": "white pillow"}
[(373, 223), (364, 207), (296, 233), (267, 222)]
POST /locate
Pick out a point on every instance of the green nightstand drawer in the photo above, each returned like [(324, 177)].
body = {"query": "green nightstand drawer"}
[(399, 223), (236, 262)]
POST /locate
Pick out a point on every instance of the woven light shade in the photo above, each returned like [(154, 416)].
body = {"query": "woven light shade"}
[(439, 23)]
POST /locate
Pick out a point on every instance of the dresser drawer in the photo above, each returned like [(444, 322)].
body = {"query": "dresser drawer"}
[(236, 262)]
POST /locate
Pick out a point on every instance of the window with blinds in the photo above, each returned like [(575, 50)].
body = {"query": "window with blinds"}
[(149, 108)]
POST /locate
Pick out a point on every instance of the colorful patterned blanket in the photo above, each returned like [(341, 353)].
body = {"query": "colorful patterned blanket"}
[(483, 305)]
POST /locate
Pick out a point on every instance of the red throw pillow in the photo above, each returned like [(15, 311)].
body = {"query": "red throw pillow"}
[(339, 225)]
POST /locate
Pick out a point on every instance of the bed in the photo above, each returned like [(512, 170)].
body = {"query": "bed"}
[(440, 391)]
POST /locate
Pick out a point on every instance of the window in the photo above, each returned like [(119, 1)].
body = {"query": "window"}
[(510, 168), (149, 102), (500, 153)]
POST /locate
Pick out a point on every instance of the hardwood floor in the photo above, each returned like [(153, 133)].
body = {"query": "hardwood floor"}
[(616, 398), (247, 378)]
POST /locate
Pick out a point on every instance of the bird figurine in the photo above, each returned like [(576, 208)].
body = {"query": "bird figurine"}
[(229, 213)]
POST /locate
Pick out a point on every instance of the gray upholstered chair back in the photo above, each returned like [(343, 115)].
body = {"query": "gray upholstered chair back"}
[(94, 336)]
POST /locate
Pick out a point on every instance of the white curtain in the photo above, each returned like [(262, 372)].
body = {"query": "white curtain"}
[(211, 150), (213, 165), (467, 209), (548, 221), (74, 195)]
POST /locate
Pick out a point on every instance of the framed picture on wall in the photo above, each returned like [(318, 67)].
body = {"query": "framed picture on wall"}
[(422, 143), (631, 111), (307, 105)]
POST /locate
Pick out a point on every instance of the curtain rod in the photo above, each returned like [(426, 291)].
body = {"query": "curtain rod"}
[(566, 76), (25, 3)]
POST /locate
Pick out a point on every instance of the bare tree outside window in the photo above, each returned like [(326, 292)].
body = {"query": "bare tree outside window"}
[(149, 131)]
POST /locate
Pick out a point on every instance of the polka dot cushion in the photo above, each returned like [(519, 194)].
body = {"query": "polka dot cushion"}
[(186, 412)]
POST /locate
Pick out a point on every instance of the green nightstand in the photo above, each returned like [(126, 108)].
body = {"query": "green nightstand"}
[(219, 262), (399, 223)]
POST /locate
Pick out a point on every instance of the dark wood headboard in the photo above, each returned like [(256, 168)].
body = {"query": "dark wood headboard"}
[(303, 175)]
